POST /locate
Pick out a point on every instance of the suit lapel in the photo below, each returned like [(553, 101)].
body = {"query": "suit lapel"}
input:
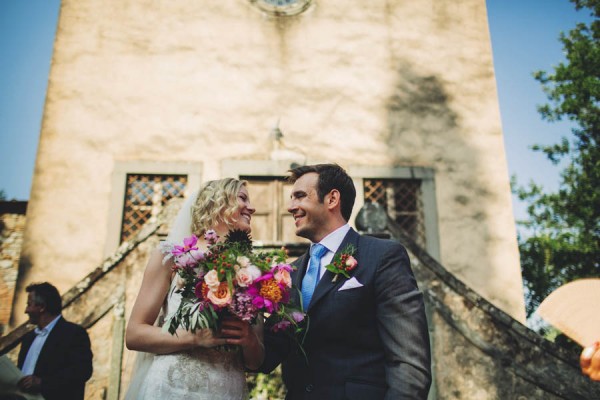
[(325, 283), (50, 345), (301, 263)]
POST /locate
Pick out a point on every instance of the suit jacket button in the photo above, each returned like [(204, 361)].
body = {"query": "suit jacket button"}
[(310, 387)]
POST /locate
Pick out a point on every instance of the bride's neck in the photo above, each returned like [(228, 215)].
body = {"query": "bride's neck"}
[(222, 230)]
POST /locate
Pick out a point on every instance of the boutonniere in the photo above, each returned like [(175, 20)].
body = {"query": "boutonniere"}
[(343, 262)]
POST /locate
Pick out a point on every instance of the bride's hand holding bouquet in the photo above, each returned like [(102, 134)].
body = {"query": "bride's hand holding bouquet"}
[(228, 282)]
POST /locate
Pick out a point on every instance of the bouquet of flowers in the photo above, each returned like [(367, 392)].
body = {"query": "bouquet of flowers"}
[(229, 278)]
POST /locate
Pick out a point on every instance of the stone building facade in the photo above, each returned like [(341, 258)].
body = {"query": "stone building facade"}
[(158, 96), (12, 225)]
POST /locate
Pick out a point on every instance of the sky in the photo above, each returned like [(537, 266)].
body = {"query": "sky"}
[(524, 39)]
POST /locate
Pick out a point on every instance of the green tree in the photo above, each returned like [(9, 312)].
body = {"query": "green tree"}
[(2, 195), (563, 241)]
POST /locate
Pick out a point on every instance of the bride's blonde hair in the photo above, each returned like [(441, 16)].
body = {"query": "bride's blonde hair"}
[(216, 202)]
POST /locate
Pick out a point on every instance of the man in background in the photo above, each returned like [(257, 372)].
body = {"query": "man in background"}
[(55, 358)]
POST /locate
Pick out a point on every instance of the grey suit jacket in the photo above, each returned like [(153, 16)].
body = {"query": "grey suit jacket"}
[(369, 342)]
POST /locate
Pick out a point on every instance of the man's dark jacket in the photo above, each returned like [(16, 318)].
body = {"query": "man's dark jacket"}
[(65, 362), (368, 342)]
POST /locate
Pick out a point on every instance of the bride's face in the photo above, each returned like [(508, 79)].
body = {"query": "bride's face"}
[(243, 215)]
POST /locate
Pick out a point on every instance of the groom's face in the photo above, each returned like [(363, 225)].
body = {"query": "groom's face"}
[(310, 215)]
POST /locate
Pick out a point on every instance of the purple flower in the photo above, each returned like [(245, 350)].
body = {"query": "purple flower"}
[(297, 316), (197, 255), (261, 302), (211, 236), (189, 243), (203, 305), (185, 260), (281, 267), (242, 306), (187, 255), (281, 325)]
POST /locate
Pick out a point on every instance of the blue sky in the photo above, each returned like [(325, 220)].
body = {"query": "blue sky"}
[(524, 39)]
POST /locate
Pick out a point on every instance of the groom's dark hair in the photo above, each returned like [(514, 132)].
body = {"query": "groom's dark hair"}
[(331, 176)]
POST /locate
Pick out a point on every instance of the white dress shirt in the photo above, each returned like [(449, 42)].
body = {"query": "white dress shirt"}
[(36, 347), (332, 242)]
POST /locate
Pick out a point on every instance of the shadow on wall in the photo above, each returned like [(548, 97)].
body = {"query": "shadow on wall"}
[(425, 128), (24, 269), (419, 115)]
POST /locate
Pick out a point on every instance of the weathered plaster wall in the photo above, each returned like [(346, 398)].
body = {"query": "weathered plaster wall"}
[(383, 83)]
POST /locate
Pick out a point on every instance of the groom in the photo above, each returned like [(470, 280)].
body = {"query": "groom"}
[(367, 336)]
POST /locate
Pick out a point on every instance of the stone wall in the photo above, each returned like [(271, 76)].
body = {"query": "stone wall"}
[(480, 352), (12, 225)]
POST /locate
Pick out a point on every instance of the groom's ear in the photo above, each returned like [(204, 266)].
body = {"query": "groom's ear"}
[(332, 199)]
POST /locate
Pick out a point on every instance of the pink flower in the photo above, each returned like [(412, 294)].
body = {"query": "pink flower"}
[(281, 325), (266, 293), (185, 260), (211, 236), (297, 316), (351, 263), (187, 255), (197, 255), (189, 243), (282, 275), (245, 276)]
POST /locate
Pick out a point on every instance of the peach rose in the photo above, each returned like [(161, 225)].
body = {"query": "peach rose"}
[(243, 261), (245, 276), (221, 296), (212, 280), (283, 276), (351, 263)]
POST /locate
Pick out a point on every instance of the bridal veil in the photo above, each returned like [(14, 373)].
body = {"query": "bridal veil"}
[(180, 229)]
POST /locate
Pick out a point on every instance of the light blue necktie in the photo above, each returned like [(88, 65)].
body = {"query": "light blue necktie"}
[(312, 274)]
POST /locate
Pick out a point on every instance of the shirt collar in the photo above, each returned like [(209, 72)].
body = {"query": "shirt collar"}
[(335, 238), (48, 328)]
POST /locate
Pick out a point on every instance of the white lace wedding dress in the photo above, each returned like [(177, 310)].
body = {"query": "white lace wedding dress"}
[(199, 374)]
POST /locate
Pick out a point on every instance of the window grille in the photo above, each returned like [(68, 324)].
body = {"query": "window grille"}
[(145, 196), (403, 201)]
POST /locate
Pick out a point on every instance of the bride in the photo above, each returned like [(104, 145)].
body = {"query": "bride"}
[(187, 365)]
